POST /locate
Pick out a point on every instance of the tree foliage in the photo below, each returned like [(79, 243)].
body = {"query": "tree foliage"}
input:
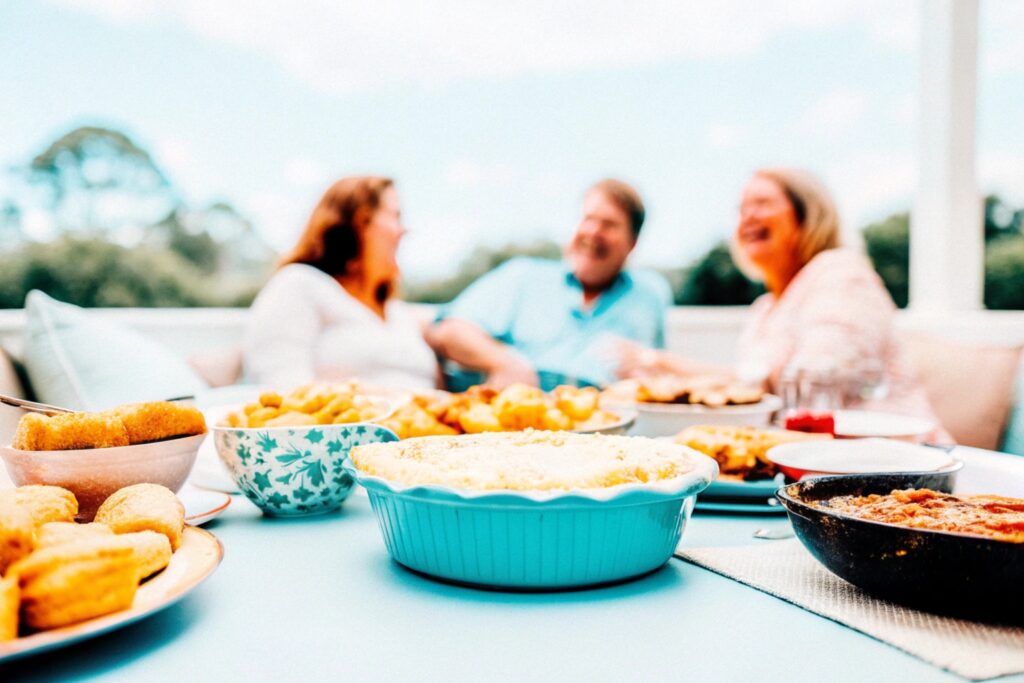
[(100, 180), (715, 280), (888, 247), (91, 271), (126, 236), (481, 261)]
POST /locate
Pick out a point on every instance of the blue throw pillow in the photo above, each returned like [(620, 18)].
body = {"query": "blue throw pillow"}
[(78, 361), (1013, 436)]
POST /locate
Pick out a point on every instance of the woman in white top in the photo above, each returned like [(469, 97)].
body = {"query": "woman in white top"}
[(329, 313)]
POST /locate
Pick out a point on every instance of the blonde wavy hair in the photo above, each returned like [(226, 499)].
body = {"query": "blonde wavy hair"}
[(815, 214)]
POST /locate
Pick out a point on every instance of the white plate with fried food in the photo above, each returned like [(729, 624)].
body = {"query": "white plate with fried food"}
[(197, 557), (667, 404)]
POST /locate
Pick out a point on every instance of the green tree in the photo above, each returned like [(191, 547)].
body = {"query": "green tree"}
[(1004, 273), (481, 261), (127, 238), (716, 281), (99, 180), (888, 247)]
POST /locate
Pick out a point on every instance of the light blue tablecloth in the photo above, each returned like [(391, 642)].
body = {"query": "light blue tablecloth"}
[(319, 599)]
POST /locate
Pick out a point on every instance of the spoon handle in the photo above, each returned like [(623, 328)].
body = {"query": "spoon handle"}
[(32, 406)]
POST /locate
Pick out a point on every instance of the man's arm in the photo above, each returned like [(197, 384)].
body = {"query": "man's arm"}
[(469, 345)]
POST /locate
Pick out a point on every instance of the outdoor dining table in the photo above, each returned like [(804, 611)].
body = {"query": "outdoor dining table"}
[(319, 599)]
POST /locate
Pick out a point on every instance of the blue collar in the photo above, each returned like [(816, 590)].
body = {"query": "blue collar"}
[(622, 282)]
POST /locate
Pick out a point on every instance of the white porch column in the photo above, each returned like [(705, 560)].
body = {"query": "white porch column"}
[(946, 236)]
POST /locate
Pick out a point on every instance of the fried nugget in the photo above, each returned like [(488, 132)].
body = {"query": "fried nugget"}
[(152, 551), (68, 431), (144, 506), (520, 407), (44, 503), (578, 404), (56, 533), (158, 420), (17, 532), (72, 582), (480, 417), (10, 599)]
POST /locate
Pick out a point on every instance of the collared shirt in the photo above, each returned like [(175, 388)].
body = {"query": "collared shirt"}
[(536, 306)]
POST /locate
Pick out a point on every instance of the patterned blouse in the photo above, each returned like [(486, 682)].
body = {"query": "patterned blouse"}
[(835, 316)]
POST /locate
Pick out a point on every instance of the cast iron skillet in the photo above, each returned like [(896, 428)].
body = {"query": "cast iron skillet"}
[(953, 574)]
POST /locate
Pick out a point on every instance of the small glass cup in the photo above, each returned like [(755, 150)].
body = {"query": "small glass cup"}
[(811, 388)]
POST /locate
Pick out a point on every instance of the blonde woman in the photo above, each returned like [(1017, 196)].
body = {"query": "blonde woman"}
[(826, 309)]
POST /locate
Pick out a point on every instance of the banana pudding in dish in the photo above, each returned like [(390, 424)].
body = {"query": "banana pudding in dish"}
[(525, 461), (532, 510)]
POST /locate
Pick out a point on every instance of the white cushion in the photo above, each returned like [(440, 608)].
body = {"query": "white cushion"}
[(79, 361)]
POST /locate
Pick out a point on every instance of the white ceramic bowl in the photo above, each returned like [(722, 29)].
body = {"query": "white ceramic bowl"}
[(668, 419), (92, 474)]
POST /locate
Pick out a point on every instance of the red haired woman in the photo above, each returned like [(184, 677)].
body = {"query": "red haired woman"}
[(330, 311)]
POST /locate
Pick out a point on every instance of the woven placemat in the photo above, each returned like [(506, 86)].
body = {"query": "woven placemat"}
[(786, 570)]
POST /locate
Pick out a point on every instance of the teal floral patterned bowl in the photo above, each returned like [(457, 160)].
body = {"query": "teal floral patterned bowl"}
[(294, 471)]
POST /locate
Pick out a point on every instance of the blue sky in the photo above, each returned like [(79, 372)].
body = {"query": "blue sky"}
[(493, 117)]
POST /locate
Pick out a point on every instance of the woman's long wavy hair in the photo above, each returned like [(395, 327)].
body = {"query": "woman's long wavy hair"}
[(332, 240)]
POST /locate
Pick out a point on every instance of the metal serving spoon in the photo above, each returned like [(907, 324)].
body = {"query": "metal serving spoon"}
[(32, 406), (47, 409)]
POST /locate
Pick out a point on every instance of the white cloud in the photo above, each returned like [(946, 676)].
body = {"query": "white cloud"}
[(725, 136), (342, 47), (37, 223), (177, 156), (870, 186), (1002, 174), (463, 173), (279, 216), (906, 108), (834, 113), (304, 172), (1001, 43)]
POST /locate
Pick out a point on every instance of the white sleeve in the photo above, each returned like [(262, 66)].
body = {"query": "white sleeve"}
[(283, 325)]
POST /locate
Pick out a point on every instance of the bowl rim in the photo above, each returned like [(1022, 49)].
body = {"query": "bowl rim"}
[(705, 471), (769, 403), (136, 449), (797, 506)]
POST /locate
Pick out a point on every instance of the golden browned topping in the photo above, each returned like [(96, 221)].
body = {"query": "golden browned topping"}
[(995, 517), (525, 461)]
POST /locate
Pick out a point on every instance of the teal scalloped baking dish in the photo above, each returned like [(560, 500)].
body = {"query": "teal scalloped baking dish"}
[(535, 540)]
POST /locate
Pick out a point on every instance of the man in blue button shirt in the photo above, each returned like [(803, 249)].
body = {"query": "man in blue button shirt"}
[(541, 322)]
